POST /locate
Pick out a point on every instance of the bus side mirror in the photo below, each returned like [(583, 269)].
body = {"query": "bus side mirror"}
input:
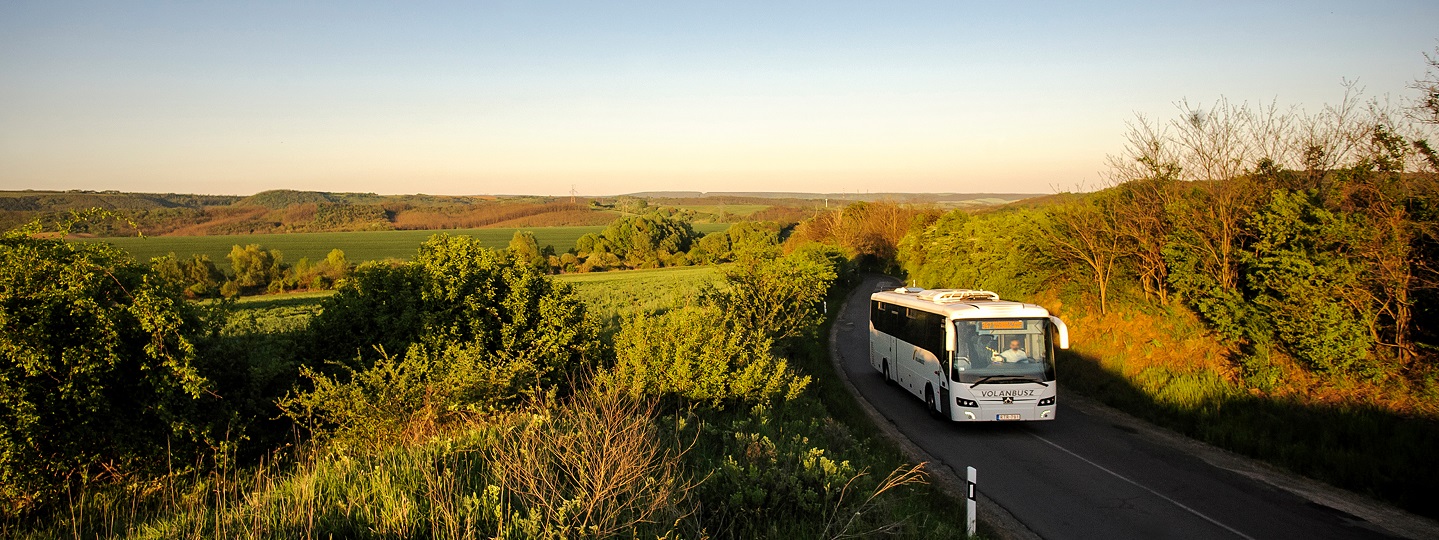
[(1063, 332)]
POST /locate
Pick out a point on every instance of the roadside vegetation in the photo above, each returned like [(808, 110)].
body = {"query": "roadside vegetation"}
[(463, 393)]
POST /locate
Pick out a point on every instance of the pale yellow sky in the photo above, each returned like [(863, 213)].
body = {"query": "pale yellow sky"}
[(534, 98)]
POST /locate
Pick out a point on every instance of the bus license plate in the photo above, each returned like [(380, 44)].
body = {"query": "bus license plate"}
[(1007, 417)]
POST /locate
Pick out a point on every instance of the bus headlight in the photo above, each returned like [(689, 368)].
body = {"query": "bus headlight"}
[(965, 402), (1047, 401)]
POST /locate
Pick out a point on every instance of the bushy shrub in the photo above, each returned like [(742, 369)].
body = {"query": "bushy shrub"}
[(96, 366), (999, 251), (775, 298), (594, 467), (410, 393), (1304, 282), (198, 275), (461, 327), (689, 354), (255, 267), (791, 472)]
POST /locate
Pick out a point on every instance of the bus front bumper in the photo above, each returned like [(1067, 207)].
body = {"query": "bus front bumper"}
[(988, 412)]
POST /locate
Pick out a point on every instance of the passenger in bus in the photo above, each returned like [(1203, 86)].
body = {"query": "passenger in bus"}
[(1014, 353)]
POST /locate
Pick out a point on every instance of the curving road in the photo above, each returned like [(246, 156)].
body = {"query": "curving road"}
[(1095, 473)]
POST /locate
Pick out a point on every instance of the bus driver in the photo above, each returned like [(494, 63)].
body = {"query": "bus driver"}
[(1014, 353)]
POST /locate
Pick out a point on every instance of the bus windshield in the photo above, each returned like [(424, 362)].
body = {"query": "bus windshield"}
[(1002, 351)]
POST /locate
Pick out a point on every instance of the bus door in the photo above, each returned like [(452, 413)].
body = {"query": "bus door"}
[(881, 346), (947, 366), (918, 363)]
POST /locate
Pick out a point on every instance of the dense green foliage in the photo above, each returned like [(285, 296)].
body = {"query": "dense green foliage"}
[(461, 327), (198, 275), (1299, 269), (690, 354), (777, 298), (995, 251), (644, 241), (97, 367)]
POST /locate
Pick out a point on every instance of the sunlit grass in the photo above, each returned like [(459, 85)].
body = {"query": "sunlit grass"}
[(615, 295)]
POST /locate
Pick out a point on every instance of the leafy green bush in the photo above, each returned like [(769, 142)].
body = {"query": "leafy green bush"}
[(687, 353), (646, 241), (198, 275), (96, 366), (775, 298), (1000, 251), (476, 329), (1303, 281), (256, 268), (791, 471)]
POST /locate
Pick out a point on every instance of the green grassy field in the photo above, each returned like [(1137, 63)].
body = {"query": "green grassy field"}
[(615, 295), (611, 295), (358, 246), (717, 209)]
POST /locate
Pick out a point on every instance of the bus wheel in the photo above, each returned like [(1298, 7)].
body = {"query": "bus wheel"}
[(885, 366), (929, 401)]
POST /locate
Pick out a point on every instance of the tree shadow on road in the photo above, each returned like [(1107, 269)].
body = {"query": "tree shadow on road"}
[(1360, 448)]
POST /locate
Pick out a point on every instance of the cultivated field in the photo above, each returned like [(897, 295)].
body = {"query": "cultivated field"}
[(358, 246)]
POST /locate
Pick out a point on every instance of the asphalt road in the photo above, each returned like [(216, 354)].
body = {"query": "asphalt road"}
[(1083, 475)]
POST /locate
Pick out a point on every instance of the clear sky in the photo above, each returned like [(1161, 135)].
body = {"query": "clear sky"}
[(614, 97)]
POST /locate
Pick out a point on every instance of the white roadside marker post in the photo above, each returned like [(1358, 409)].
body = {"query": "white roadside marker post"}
[(969, 512)]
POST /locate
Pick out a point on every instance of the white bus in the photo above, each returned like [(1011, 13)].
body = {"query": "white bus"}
[(969, 355)]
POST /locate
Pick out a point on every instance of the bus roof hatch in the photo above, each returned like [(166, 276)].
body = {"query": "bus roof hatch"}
[(946, 296)]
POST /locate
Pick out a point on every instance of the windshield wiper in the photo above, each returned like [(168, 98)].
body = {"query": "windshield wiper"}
[(1008, 378)]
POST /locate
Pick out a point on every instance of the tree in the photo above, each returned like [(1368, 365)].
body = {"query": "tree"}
[(1084, 232), (525, 249), (642, 240), (753, 240), (1426, 108), (870, 232), (713, 248), (686, 354), (198, 275), (1144, 179), (1002, 251), (256, 267)]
